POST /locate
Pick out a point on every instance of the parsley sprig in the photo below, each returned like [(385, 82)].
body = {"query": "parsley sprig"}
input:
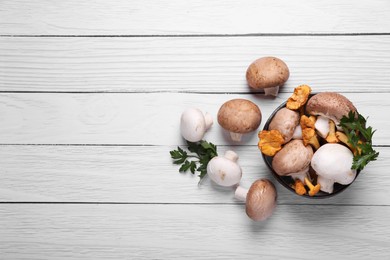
[(360, 138), (201, 152)]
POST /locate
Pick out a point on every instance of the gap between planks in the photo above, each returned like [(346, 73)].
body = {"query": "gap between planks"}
[(194, 35), (187, 203)]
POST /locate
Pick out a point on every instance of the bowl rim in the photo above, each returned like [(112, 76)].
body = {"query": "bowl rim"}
[(284, 180)]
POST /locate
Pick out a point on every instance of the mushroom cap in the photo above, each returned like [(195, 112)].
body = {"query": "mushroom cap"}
[(331, 105), (224, 171), (292, 158), (267, 72), (334, 162), (285, 121), (261, 200), (193, 124), (239, 116)]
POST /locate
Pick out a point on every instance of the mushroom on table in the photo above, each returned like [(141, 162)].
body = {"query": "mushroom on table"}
[(239, 116), (193, 124), (267, 73), (260, 199), (224, 170)]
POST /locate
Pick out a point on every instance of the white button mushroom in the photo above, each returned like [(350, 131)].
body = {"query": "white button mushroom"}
[(239, 116), (267, 73), (260, 199), (285, 121), (224, 170), (332, 163), (193, 124), (293, 160)]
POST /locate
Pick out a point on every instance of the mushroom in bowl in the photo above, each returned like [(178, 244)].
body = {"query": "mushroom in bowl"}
[(324, 154)]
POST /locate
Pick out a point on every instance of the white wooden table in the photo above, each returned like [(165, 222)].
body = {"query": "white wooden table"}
[(91, 96)]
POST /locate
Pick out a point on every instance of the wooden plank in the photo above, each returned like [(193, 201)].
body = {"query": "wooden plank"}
[(139, 118), (346, 64), (173, 17), (134, 174), (191, 231)]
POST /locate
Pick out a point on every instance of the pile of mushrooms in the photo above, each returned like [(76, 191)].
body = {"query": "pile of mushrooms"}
[(238, 116), (260, 198), (305, 143)]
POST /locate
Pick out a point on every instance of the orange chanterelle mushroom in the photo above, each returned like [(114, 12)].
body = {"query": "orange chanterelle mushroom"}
[(309, 135), (299, 98), (270, 142)]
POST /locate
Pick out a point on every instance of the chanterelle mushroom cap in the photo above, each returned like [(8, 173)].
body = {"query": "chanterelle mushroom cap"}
[(239, 116), (285, 121), (261, 200), (267, 72), (293, 158), (331, 105), (334, 162)]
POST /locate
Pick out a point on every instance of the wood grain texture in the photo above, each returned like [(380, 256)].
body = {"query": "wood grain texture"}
[(203, 65), (134, 174), (139, 118), (175, 17), (191, 231), (90, 99)]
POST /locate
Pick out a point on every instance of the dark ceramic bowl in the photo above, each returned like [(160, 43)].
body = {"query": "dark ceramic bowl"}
[(287, 181)]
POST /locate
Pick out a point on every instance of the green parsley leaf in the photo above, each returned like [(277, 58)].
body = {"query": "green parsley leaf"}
[(360, 138), (201, 151), (179, 156)]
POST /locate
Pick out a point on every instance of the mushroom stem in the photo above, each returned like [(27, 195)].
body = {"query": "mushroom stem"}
[(297, 132), (313, 189), (322, 126), (232, 156), (299, 187), (326, 184), (208, 119), (271, 91), (301, 175), (241, 193), (332, 138), (236, 137)]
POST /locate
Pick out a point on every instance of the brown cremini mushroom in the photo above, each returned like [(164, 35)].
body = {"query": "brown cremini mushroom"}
[(260, 199), (239, 116), (285, 121), (267, 73), (331, 105), (293, 160)]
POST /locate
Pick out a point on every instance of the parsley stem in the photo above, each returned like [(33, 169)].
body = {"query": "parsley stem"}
[(193, 156)]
